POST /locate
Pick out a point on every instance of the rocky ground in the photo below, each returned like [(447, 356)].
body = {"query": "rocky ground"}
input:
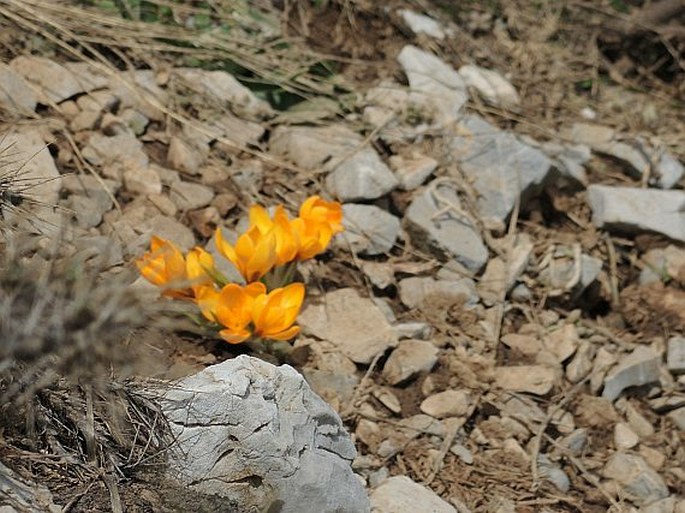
[(502, 325)]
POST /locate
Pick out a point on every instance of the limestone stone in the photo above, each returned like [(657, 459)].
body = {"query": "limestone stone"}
[(254, 434), (189, 196), (640, 367), (633, 210), (535, 379), (639, 481), (408, 359), (491, 85), (435, 86), (369, 230), (16, 95), (502, 167), (436, 227), (450, 403), (352, 323), (400, 494), (362, 176)]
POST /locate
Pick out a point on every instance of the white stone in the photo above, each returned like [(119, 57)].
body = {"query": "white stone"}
[(362, 176), (426, 292), (142, 180), (501, 167), (412, 171), (492, 86), (400, 494), (535, 379), (15, 93), (676, 355), (639, 481), (352, 323), (255, 433), (624, 437), (189, 196), (641, 367), (435, 226), (450, 403), (222, 88), (408, 359), (634, 210), (369, 230), (422, 24), (435, 85)]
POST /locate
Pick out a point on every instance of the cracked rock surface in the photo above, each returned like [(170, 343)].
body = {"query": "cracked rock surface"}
[(257, 435)]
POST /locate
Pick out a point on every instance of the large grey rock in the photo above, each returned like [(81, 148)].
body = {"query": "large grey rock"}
[(501, 167), (256, 434), (639, 481), (400, 494), (369, 230), (435, 226), (16, 96), (362, 176), (435, 86), (640, 367), (632, 210), (355, 325)]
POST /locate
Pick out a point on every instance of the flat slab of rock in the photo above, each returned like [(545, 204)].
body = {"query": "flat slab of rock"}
[(435, 86), (437, 227), (535, 379), (633, 210), (640, 482), (450, 403), (501, 166), (255, 434), (362, 176), (408, 359), (369, 230), (427, 292), (400, 494), (355, 325), (640, 367), (53, 81), (16, 95)]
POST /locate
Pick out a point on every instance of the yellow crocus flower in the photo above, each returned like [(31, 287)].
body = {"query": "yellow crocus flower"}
[(233, 310), (199, 268), (165, 266), (254, 253), (280, 225), (318, 211), (273, 314)]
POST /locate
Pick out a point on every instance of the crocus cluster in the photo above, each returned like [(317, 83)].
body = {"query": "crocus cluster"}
[(266, 255)]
